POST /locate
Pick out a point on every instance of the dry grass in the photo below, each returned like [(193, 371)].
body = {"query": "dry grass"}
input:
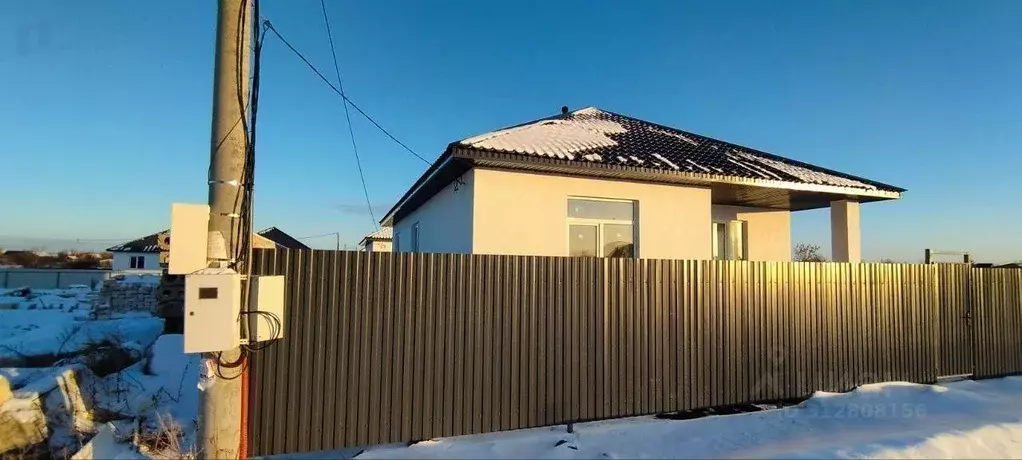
[(165, 441)]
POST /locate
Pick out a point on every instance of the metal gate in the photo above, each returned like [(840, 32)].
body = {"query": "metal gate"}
[(957, 335)]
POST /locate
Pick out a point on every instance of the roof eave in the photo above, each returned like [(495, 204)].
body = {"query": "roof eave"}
[(430, 173), (469, 157), (518, 161)]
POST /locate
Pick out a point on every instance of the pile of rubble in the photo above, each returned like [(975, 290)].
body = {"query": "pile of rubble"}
[(127, 293), (64, 411), (94, 376)]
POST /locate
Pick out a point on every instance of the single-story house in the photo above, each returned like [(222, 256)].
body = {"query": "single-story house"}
[(599, 184), (144, 253), (378, 241)]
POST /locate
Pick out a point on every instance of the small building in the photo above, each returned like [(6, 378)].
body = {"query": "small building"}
[(144, 253), (281, 239), (378, 241), (599, 184)]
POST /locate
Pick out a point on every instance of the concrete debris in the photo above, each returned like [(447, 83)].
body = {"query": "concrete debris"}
[(22, 424), (117, 296)]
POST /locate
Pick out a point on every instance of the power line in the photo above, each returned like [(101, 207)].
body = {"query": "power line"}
[(301, 56), (316, 236), (347, 116), (336, 235)]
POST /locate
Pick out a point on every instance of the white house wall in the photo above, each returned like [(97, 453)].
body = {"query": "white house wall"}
[(122, 260), (525, 214), (445, 221), (768, 231)]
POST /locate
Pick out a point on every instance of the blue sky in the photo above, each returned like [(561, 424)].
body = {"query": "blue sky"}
[(106, 105)]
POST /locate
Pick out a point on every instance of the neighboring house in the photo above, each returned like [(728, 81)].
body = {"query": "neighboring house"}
[(144, 253), (378, 241), (596, 183), (281, 239)]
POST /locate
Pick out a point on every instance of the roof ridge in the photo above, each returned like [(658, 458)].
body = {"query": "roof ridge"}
[(528, 124)]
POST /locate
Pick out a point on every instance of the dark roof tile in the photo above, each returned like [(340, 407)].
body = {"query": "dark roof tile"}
[(597, 136)]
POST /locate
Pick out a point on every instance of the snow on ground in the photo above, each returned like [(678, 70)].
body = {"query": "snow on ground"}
[(967, 419), (157, 394), (14, 323), (48, 310), (56, 321), (152, 279), (167, 386), (55, 335)]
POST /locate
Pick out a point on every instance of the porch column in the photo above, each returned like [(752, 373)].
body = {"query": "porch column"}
[(845, 240)]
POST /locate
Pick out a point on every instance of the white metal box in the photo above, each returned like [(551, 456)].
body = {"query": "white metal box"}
[(189, 227), (268, 298), (212, 309)]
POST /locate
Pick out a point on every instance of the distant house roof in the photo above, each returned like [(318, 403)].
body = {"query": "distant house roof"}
[(148, 243), (266, 239), (282, 239), (594, 142), (383, 234)]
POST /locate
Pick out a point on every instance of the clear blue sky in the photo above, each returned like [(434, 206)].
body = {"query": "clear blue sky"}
[(106, 105)]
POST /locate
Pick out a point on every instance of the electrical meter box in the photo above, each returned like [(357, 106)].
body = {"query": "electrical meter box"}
[(268, 303), (212, 310), (189, 229)]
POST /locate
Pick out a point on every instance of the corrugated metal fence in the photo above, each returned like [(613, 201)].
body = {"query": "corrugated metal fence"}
[(385, 347)]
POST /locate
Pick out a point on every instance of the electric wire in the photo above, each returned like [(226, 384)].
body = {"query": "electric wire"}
[(355, 106), (347, 115)]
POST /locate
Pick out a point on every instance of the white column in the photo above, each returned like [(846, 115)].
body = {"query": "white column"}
[(845, 239)]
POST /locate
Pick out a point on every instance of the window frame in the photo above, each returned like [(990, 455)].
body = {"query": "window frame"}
[(729, 249), (598, 223), (415, 237), (136, 262)]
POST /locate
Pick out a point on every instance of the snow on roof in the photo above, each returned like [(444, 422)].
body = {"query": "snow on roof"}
[(148, 243), (592, 135), (384, 233), (805, 174), (559, 138)]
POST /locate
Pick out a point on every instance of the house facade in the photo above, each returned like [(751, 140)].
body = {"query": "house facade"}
[(598, 184), (378, 241)]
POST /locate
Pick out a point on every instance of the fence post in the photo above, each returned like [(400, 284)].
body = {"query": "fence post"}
[(938, 348), (58, 280)]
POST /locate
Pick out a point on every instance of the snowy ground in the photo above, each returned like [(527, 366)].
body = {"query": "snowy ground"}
[(967, 419), (138, 406)]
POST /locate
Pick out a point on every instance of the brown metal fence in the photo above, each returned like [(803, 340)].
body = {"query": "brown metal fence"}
[(384, 347), (956, 339), (997, 295)]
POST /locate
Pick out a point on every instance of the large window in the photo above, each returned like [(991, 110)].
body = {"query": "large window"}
[(729, 241), (137, 262), (601, 228)]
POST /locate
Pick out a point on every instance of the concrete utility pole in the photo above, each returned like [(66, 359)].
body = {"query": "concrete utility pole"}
[(221, 401)]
